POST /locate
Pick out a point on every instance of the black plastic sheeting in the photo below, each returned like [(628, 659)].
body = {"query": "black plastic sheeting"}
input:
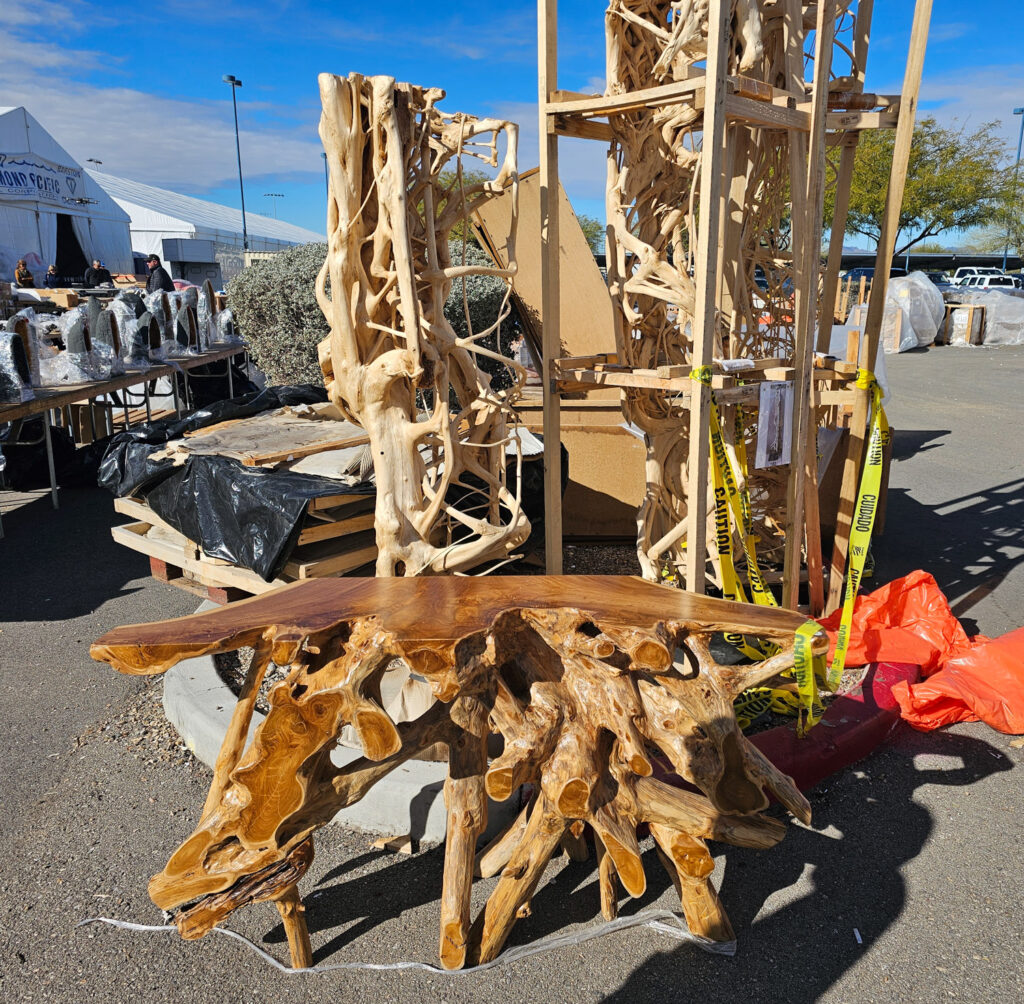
[(126, 468), (246, 515), (249, 516), (24, 448)]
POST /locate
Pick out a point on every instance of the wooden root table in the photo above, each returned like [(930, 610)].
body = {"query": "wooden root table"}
[(588, 679)]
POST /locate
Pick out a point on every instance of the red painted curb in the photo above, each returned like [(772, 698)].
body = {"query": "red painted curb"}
[(853, 726)]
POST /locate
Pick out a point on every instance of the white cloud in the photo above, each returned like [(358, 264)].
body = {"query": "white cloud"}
[(164, 141), (495, 37), (939, 33), (973, 97)]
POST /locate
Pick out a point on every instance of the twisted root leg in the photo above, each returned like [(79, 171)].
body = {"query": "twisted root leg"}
[(584, 702)]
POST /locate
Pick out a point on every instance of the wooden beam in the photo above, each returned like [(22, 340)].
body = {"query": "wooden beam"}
[(600, 105), (858, 121), (802, 490), (768, 116), (565, 125), (803, 264), (704, 317), (746, 90), (876, 305), (844, 176), (547, 65)]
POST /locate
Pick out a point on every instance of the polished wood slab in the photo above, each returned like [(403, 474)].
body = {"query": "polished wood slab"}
[(427, 609)]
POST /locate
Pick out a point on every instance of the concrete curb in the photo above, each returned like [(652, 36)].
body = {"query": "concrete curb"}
[(853, 727), (410, 800)]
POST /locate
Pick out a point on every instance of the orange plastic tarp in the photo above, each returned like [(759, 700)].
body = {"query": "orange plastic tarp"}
[(968, 679)]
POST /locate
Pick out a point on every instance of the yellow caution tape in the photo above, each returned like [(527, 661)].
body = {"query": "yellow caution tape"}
[(806, 667), (738, 498), (863, 520), (805, 703), (755, 701), (729, 496)]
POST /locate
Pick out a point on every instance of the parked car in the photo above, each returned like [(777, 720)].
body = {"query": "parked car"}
[(988, 282), (939, 278), (868, 273), (967, 271)]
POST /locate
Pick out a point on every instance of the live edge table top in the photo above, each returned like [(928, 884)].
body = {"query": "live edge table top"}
[(426, 609)]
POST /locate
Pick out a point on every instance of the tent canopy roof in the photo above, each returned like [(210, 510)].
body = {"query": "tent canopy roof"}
[(197, 217), (21, 133)]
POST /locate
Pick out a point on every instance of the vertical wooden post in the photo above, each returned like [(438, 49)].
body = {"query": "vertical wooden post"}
[(293, 916), (897, 175), (807, 184), (844, 176), (547, 74), (802, 489), (704, 315), (876, 306), (798, 148)]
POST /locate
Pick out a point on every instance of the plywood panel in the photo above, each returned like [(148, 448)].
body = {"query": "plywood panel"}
[(586, 310)]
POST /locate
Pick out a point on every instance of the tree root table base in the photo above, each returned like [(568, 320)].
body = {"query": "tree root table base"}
[(588, 679)]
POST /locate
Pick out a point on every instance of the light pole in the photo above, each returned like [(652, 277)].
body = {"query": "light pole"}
[(327, 184), (235, 82), (93, 160), (1013, 196), (275, 196)]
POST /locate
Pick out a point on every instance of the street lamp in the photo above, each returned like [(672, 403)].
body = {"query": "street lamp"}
[(93, 160), (235, 82), (1013, 197), (327, 184), (275, 196)]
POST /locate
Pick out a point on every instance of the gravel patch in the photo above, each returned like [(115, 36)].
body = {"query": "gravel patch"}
[(140, 728), (232, 668)]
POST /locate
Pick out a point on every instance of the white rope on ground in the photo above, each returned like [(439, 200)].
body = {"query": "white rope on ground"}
[(654, 919)]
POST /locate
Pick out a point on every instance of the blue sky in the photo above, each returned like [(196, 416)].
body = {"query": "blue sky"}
[(140, 89)]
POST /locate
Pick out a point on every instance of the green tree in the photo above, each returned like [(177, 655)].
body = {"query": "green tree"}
[(275, 308), (1006, 233), (955, 181), (450, 182), (593, 230)]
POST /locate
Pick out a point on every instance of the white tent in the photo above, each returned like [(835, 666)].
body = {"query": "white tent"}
[(51, 211), (158, 215)]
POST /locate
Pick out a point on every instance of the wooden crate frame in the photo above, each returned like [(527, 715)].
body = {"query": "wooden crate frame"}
[(815, 123)]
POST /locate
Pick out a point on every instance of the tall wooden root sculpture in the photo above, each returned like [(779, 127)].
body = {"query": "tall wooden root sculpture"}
[(438, 430), (587, 679), (652, 198)]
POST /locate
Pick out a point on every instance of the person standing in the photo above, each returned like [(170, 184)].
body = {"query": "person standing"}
[(158, 277), (96, 275), (51, 280), (23, 278)]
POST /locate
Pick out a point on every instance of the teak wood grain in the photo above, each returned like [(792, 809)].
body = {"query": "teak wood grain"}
[(586, 679)]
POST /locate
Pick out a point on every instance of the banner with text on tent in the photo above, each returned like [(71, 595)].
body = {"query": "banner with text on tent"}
[(29, 176)]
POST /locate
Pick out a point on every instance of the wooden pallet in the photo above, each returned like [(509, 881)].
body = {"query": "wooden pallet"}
[(964, 324), (337, 538)]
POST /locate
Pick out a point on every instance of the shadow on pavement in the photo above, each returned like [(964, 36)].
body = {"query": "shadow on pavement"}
[(855, 879), (67, 563), (874, 827), (907, 443), (972, 542)]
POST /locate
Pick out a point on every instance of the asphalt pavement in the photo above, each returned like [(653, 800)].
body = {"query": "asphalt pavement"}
[(906, 887)]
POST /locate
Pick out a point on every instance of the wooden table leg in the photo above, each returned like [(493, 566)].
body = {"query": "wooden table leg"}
[(293, 916)]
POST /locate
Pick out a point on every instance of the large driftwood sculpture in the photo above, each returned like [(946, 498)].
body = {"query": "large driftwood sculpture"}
[(652, 197), (438, 431), (595, 684)]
